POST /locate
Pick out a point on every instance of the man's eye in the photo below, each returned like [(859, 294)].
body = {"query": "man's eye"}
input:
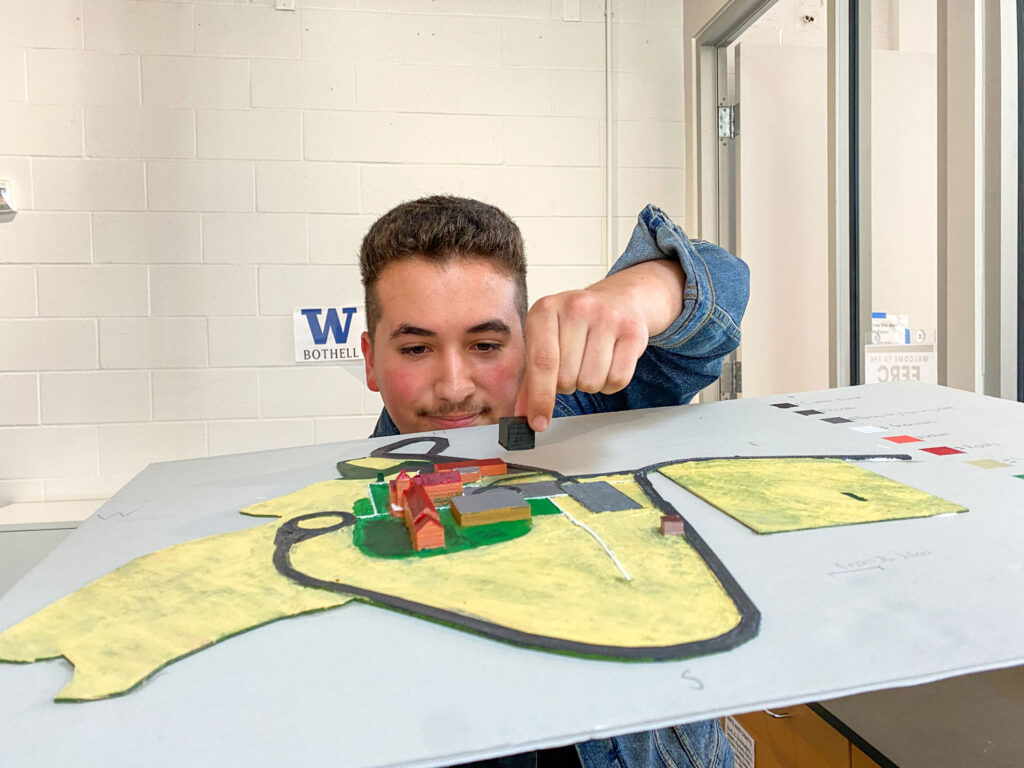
[(415, 351), (486, 346)]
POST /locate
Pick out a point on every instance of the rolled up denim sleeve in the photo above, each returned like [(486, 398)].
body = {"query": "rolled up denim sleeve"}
[(686, 356), (717, 286)]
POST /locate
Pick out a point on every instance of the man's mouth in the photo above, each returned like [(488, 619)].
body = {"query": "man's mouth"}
[(455, 415), (454, 420)]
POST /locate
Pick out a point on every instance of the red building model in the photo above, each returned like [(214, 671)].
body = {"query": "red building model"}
[(397, 489), (440, 486), (413, 497), (422, 520)]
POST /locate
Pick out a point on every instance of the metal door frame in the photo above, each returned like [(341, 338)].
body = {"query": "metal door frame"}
[(849, 224)]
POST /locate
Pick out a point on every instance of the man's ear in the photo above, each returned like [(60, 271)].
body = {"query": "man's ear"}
[(367, 347)]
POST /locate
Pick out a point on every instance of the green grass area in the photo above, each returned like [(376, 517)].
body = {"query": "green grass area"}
[(388, 537), (543, 507), (378, 534), (362, 508), (381, 497)]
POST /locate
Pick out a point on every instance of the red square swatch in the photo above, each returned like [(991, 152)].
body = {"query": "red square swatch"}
[(942, 450), (903, 439)]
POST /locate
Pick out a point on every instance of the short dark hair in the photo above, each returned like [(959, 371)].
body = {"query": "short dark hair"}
[(441, 228)]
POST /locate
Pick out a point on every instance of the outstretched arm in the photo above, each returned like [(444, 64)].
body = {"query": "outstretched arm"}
[(590, 340)]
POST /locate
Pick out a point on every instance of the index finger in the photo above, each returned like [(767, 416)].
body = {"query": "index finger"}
[(536, 396)]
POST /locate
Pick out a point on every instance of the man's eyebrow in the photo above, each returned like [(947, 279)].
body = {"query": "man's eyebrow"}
[(490, 326), (410, 330)]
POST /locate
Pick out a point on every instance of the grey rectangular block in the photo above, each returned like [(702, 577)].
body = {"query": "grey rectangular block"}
[(599, 496), (498, 498)]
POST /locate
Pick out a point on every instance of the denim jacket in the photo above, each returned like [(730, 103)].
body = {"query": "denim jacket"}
[(687, 356), (677, 364)]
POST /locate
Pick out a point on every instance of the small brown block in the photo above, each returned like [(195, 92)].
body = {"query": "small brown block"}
[(672, 525)]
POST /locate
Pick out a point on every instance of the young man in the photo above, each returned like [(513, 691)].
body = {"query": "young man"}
[(449, 343)]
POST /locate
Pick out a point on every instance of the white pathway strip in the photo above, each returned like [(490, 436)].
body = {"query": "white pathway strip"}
[(597, 538)]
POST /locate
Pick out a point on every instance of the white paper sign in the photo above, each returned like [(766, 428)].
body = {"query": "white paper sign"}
[(887, 328), (742, 744), (328, 334), (900, 362)]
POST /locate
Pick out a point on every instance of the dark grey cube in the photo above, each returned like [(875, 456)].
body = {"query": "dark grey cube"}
[(515, 434)]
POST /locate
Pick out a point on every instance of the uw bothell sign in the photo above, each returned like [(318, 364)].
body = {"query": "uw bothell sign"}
[(328, 334)]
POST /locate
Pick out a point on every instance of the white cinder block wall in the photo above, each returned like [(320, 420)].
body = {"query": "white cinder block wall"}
[(188, 172)]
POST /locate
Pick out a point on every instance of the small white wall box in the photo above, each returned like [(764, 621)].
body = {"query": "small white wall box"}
[(6, 210)]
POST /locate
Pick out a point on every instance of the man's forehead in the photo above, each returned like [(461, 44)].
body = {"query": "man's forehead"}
[(465, 277), (464, 295), (418, 263)]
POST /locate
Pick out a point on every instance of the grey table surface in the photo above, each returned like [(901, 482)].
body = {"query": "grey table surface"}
[(973, 720)]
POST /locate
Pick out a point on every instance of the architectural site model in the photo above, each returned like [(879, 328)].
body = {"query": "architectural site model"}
[(599, 566)]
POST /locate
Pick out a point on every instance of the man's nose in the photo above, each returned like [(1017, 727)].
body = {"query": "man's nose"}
[(454, 381)]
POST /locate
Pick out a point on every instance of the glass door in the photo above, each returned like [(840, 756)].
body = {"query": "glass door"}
[(902, 341), (865, 164), (777, 89)]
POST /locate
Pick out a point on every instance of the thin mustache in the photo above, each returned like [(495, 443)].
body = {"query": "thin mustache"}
[(461, 409)]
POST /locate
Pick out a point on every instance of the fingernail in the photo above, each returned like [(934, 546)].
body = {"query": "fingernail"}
[(539, 423)]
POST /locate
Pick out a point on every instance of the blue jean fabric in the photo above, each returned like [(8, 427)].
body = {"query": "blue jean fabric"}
[(677, 364), (695, 745), (687, 356)]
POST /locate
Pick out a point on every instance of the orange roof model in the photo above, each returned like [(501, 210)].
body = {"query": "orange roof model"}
[(440, 485), (486, 466), (437, 478), (417, 502)]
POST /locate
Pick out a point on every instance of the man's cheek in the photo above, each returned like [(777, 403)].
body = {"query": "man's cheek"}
[(502, 383), (401, 386)]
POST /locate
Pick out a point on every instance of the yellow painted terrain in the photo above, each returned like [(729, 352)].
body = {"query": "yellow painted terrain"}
[(126, 625), (330, 495), (775, 495), (556, 581), (163, 606), (373, 462)]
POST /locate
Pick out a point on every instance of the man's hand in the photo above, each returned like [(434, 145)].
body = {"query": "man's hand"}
[(590, 340)]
